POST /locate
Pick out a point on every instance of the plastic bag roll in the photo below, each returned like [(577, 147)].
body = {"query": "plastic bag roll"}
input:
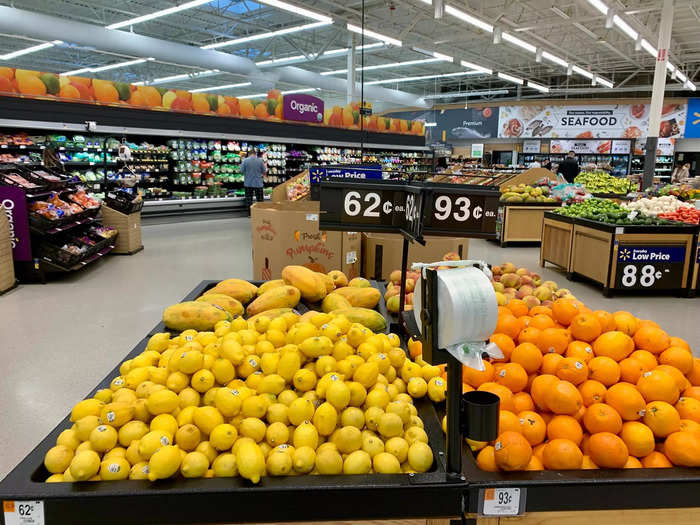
[(467, 307)]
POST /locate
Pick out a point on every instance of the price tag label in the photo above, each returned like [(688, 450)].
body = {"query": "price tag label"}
[(23, 512), (649, 267), (461, 210), (502, 502)]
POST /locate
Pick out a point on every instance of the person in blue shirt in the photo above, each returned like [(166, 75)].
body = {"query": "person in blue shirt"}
[(253, 168)]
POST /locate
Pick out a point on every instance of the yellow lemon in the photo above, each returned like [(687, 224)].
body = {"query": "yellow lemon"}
[(279, 463), (378, 398), (420, 456), (277, 434), (286, 397), (253, 428), (113, 469), (103, 438), (228, 401), (304, 459), (206, 418), (58, 459), (205, 448), (325, 419), (188, 437), (164, 422), (84, 465), (139, 470), (225, 466), (132, 453), (417, 387), (185, 416), (390, 425), (358, 462), (348, 439), (202, 380), (338, 394), (189, 397), (162, 402), (55, 478), (104, 395), (304, 380), (366, 374), (116, 452), (358, 393), (68, 438), (194, 465), (372, 444), (177, 381), (152, 441), (158, 342), (305, 435), (164, 462), (250, 461), (372, 416), (132, 431), (398, 447), (385, 463), (354, 417), (436, 389), (414, 434), (223, 436), (329, 461)]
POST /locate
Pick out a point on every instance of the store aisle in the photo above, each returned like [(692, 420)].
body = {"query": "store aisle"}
[(58, 340)]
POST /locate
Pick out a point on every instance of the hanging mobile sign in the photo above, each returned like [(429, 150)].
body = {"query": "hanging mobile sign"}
[(460, 210), (531, 146), (477, 151), (621, 147), (365, 171)]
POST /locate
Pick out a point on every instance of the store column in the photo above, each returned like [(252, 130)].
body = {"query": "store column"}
[(351, 70), (657, 94)]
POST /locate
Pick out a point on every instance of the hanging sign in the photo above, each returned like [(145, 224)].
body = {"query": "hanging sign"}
[(649, 267), (581, 147), (460, 210), (302, 108), (620, 147), (15, 207), (531, 146), (369, 171), (477, 151)]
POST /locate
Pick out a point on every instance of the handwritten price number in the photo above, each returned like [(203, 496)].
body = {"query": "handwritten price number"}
[(443, 209), (353, 205), (648, 277)]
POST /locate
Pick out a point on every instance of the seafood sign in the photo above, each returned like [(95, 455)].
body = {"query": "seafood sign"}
[(587, 122)]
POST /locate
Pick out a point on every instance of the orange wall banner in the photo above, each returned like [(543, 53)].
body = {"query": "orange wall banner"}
[(35, 84)]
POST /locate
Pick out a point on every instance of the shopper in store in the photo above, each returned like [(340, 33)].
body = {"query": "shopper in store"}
[(548, 165), (253, 169), (569, 168), (681, 173)]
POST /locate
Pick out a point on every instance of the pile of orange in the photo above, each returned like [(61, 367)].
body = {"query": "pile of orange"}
[(584, 389)]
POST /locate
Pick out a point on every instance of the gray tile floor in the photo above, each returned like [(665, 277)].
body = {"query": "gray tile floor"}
[(58, 340)]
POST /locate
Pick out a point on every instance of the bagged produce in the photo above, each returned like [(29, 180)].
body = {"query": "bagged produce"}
[(196, 315)]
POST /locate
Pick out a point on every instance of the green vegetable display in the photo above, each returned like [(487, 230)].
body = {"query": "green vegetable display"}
[(603, 182), (607, 211)]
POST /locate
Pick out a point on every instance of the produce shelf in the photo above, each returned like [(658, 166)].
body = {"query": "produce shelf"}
[(53, 266), (64, 227)]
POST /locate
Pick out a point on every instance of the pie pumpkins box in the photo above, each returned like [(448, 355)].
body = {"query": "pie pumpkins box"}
[(287, 233)]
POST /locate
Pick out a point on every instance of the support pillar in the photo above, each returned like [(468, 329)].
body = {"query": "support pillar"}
[(657, 94), (351, 90)]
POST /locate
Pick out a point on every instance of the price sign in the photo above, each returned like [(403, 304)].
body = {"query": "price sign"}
[(649, 267), (461, 210), (377, 206), (501, 502), (23, 512)]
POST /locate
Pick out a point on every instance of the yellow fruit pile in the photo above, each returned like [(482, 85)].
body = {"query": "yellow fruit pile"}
[(277, 397)]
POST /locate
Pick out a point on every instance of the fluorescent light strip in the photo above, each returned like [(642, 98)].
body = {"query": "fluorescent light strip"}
[(520, 43), (511, 78), (74, 72), (291, 91), (582, 72), (435, 54), (600, 6), (469, 94), (690, 85), (32, 49), (604, 82), (646, 46), (671, 68), (158, 14), (283, 60), (372, 34), (173, 78), (476, 67), (680, 76), (262, 36), (625, 27), (538, 87), (297, 10), (384, 66), (424, 77), (120, 64), (225, 86), (555, 59), (430, 124), (344, 50), (469, 19)]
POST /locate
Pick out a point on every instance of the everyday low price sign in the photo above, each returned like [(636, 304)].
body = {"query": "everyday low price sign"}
[(319, 173), (650, 267), (302, 108)]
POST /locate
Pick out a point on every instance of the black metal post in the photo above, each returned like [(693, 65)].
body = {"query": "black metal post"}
[(649, 162), (404, 269), (453, 401)]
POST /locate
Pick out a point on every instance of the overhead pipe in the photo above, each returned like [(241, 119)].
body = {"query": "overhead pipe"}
[(46, 27)]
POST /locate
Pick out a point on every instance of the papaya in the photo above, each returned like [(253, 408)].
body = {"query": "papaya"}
[(366, 317), (309, 283), (359, 282), (279, 297), (362, 297), (393, 304), (339, 278), (231, 305), (197, 315), (269, 285), (328, 281), (241, 290), (334, 301), (272, 314)]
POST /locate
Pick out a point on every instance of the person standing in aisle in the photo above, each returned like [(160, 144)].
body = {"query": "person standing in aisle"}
[(569, 168), (253, 169), (681, 174)]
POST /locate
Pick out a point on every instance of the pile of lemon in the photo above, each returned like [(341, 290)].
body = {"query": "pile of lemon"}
[(277, 397)]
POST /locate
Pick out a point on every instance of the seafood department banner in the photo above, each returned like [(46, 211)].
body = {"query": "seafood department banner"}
[(628, 121)]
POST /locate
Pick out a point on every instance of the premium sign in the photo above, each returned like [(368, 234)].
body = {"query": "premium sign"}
[(14, 203), (302, 107)]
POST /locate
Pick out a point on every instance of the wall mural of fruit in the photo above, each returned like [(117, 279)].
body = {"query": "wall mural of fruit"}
[(37, 84)]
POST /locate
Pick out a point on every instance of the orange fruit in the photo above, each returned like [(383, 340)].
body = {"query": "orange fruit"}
[(606, 320), (503, 393), (564, 398), (651, 338), (573, 370), (68, 91), (587, 464), (246, 108), (486, 459), (529, 335), (656, 460), (689, 408), (527, 355), (647, 322), (562, 454), (692, 391), (580, 350), (541, 321), (540, 387), (678, 357), (625, 322), (538, 450), (106, 92), (694, 374), (223, 109), (592, 391), (261, 111), (565, 427), (608, 450), (523, 401), (540, 310), (518, 307), (137, 99), (615, 345), (658, 385), (564, 310), (632, 462), (31, 85), (7, 72), (604, 369), (200, 102), (467, 388), (600, 417), (550, 362), (677, 375), (683, 449), (662, 418), (638, 437), (509, 325), (476, 378), (585, 327), (578, 416), (532, 427), (631, 370), (688, 425), (507, 420), (505, 343), (646, 358), (512, 451), (677, 341), (553, 340), (502, 310), (513, 376), (534, 464), (626, 400)]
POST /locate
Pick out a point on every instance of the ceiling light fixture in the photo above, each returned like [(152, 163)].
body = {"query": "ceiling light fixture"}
[(538, 87), (297, 10), (625, 27), (469, 94), (385, 66), (476, 67), (32, 49), (559, 12), (344, 50), (680, 76), (225, 86), (158, 14), (600, 6), (120, 64), (373, 34), (423, 77), (469, 19), (430, 124), (291, 91), (274, 61), (175, 78), (646, 46), (511, 78), (262, 36), (690, 85), (74, 72), (603, 82), (555, 59), (520, 43), (582, 72)]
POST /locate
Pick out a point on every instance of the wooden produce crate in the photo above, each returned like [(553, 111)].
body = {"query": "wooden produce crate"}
[(557, 237), (523, 222)]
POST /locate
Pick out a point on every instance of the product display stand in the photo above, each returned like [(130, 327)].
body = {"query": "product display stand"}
[(522, 222)]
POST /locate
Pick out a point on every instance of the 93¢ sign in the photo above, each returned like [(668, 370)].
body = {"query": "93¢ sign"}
[(460, 210)]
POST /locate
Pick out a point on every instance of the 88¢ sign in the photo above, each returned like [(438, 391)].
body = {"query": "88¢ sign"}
[(649, 267)]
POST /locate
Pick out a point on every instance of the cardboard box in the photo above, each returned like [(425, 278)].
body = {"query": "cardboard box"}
[(382, 252), (285, 233), (290, 189), (129, 226)]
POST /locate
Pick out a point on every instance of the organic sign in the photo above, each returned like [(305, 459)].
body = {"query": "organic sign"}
[(14, 203), (302, 107), (650, 267)]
